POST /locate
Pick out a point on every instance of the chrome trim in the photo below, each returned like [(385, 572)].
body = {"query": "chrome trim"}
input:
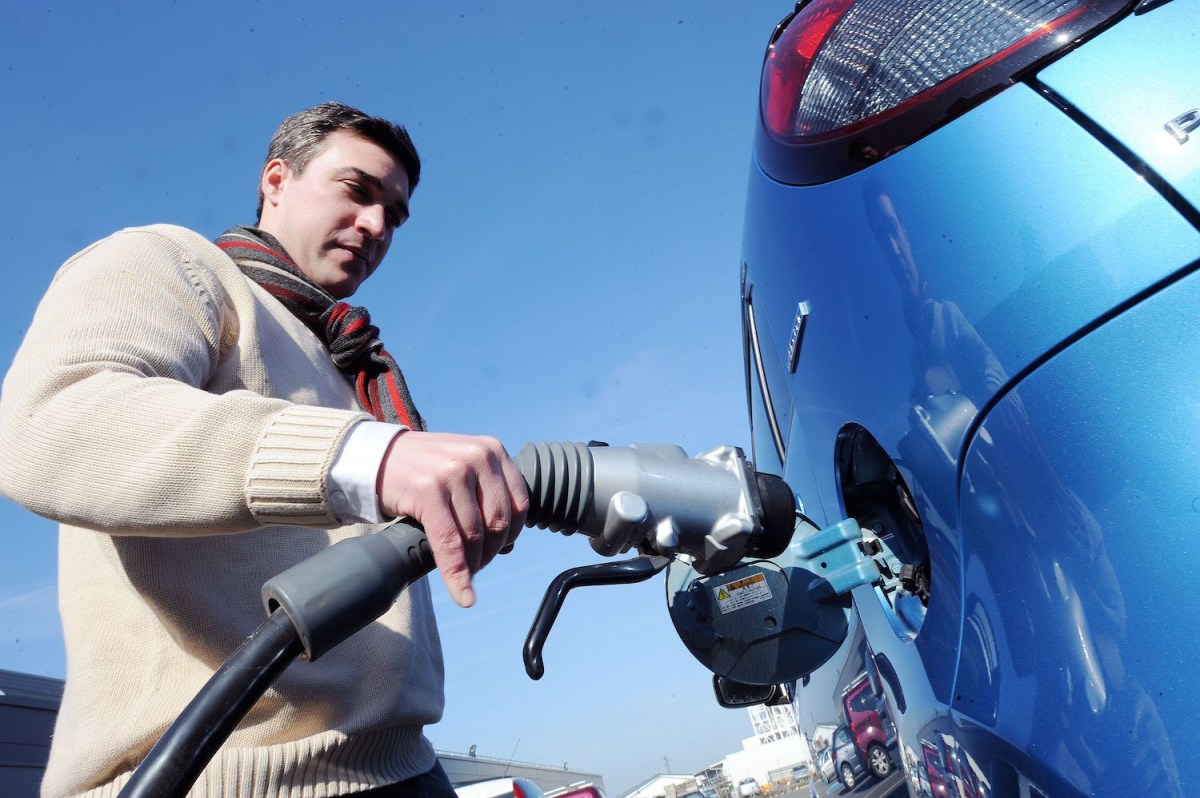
[(756, 350), (1148, 5), (798, 326), (1182, 125)]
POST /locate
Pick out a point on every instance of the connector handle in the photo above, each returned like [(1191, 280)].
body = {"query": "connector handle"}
[(344, 588)]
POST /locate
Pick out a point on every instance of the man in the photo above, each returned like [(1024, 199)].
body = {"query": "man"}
[(192, 414)]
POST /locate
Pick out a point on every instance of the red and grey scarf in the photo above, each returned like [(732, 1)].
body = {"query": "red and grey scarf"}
[(347, 331)]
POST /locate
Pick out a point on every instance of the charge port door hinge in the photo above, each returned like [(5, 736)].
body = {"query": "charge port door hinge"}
[(844, 556)]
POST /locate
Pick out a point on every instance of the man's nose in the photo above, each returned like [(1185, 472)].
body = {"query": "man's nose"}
[(371, 221)]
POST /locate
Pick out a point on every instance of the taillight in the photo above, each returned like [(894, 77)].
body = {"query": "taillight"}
[(854, 81), (517, 791)]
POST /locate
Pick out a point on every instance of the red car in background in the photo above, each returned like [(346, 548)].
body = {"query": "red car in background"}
[(870, 727), (935, 774)]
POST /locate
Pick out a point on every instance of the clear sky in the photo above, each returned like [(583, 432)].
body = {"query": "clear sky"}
[(570, 272)]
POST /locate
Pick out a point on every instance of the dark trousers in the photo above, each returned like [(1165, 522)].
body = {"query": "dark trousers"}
[(433, 784)]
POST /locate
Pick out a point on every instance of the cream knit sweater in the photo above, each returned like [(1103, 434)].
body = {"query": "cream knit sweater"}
[(179, 423)]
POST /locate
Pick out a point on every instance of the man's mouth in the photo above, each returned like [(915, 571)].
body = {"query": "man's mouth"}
[(360, 254)]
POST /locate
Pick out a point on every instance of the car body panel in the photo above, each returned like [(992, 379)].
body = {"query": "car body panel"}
[(1134, 97), (1113, 471), (1016, 291), (1025, 283), (1006, 307)]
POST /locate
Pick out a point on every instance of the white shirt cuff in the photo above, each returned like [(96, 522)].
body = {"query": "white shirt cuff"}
[(355, 472)]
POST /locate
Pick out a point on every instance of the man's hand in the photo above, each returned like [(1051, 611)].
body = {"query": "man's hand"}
[(465, 491)]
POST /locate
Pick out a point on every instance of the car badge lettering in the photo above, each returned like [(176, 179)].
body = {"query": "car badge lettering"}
[(797, 336), (1181, 126)]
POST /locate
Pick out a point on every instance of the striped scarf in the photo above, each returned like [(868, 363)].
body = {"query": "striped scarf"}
[(347, 331)]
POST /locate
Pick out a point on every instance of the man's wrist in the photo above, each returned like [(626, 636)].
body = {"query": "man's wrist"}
[(354, 474)]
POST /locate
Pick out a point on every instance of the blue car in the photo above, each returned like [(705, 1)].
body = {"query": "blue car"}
[(972, 325)]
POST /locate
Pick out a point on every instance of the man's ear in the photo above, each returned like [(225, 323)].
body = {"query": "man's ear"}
[(274, 175)]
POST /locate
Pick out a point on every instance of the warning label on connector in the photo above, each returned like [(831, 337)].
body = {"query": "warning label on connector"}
[(745, 592)]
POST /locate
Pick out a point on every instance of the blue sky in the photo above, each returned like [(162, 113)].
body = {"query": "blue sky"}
[(570, 272)]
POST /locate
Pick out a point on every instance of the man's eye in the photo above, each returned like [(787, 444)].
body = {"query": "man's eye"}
[(394, 220), (356, 189)]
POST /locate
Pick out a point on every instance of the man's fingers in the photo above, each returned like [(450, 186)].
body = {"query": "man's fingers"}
[(442, 532), (503, 500), (465, 490), (519, 493), (464, 507)]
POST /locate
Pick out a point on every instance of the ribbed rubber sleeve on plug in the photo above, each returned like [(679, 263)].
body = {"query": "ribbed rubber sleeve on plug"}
[(559, 477)]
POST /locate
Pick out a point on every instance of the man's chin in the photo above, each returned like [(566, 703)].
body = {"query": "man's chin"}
[(346, 279), (343, 290)]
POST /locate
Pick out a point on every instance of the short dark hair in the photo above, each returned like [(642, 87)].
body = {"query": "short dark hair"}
[(301, 137)]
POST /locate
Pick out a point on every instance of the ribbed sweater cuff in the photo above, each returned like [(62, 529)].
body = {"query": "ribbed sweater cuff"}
[(285, 483)]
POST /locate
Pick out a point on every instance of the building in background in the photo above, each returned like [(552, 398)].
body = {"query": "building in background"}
[(773, 723), (468, 768), (28, 707), (769, 756), (776, 747), (663, 785)]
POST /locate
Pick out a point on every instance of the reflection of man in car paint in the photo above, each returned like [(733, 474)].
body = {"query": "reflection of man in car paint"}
[(954, 371), (948, 354), (1072, 595)]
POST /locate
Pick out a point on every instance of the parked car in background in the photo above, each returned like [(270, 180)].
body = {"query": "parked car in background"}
[(847, 764), (577, 790), (500, 788), (970, 274), (825, 763), (748, 787), (870, 727)]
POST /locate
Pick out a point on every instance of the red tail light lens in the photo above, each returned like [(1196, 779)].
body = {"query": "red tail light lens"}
[(843, 69), (790, 61)]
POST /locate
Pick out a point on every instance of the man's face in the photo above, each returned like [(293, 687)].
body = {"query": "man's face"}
[(337, 217)]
